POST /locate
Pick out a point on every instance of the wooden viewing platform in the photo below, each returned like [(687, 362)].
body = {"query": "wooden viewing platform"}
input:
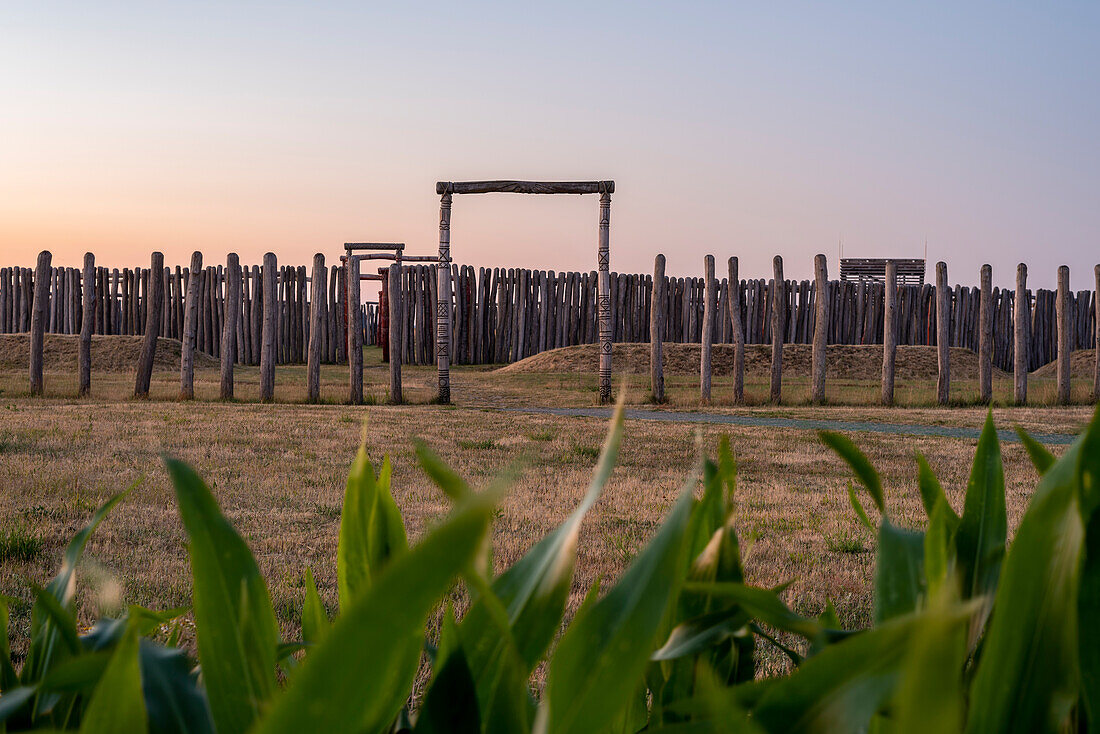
[(855, 269)]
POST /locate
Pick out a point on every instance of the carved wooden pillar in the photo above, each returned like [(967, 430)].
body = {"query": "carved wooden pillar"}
[(603, 303), (443, 301)]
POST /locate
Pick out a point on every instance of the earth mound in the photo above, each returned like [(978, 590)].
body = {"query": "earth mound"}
[(109, 353), (1081, 364), (843, 361)]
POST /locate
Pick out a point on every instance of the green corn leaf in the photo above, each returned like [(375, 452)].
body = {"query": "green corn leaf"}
[(859, 464), (899, 571), (842, 687), (450, 705), (764, 605), (701, 634), (931, 491), (442, 475), (858, 507), (1088, 602), (45, 637), (118, 705), (315, 621), (727, 467), (1027, 677), (602, 658), (372, 532), (1040, 457), (8, 678), (77, 674), (15, 700), (939, 546), (235, 624), (930, 692), (174, 700), (980, 538), (359, 678), (536, 588)]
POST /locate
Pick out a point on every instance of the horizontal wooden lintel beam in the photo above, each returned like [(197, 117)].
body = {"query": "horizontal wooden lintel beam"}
[(525, 187), (349, 246)]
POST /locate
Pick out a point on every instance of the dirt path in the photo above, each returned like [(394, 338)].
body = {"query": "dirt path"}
[(803, 424)]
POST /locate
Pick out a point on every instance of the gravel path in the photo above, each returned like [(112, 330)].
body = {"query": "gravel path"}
[(805, 424)]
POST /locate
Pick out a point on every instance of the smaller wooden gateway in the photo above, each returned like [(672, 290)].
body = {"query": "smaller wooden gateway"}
[(855, 269)]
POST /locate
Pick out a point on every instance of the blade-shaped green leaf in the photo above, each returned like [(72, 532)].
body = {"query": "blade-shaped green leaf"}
[(931, 491), (450, 705), (8, 678), (1027, 677), (602, 657), (442, 475), (939, 547), (535, 589), (117, 705), (980, 539), (930, 692), (859, 464), (701, 633), (1088, 603), (174, 700), (45, 637), (235, 624), (357, 679), (1041, 459), (899, 571), (315, 621), (840, 688), (372, 532), (764, 605)]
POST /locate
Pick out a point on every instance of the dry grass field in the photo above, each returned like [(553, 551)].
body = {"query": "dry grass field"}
[(278, 470)]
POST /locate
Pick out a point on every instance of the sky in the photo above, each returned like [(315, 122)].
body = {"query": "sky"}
[(747, 129)]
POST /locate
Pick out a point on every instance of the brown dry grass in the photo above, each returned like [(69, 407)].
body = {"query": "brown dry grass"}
[(279, 470)]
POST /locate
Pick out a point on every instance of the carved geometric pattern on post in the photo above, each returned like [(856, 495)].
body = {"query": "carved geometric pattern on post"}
[(604, 259), (442, 311)]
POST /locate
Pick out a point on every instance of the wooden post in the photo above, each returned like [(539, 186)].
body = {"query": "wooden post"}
[(154, 298), (1021, 337), (707, 336), (1064, 348), (88, 316), (39, 317), (316, 328), (603, 307), (777, 300), (393, 275), (985, 336), (355, 333), (943, 335), (229, 323), (190, 329), (443, 306), (889, 333), (270, 327), (1096, 325), (821, 328), (738, 330), (656, 331)]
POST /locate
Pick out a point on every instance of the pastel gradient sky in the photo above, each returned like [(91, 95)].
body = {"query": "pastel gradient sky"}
[(742, 129)]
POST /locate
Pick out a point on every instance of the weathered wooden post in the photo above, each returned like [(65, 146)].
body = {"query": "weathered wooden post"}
[(86, 325), (190, 329), (706, 342), (656, 331), (943, 335), (355, 333), (1064, 353), (39, 316), (270, 329), (1021, 337), (778, 300), (821, 328), (442, 305), (316, 328), (889, 333), (1096, 316), (152, 328), (229, 323), (985, 336), (396, 324), (738, 332), (603, 307)]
